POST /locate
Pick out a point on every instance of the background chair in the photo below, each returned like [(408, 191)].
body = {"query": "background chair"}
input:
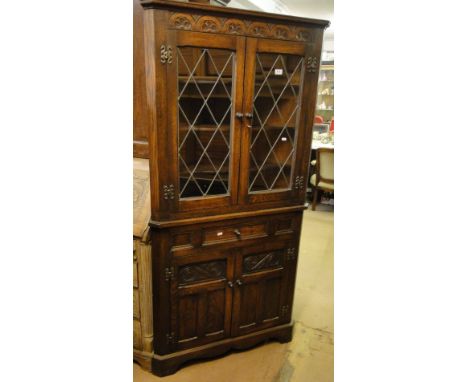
[(318, 119), (324, 177)]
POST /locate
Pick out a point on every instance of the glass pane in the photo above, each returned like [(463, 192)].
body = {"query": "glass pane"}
[(205, 105), (276, 110)]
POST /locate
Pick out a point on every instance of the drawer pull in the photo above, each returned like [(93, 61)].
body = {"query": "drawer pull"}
[(220, 233), (237, 232)]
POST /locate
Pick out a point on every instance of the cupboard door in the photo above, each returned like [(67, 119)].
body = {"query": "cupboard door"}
[(260, 288), (274, 118), (201, 299), (206, 75)]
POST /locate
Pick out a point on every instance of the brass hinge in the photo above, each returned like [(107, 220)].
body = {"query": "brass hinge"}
[(170, 338), (311, 64), (291, 254), (166, 54), (168, 191), (299, 182), (284, 310), (169, 272)]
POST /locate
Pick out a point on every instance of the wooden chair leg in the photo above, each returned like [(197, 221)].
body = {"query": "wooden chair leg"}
[(314, 201)]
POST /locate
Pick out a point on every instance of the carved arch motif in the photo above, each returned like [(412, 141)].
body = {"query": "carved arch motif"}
[(259, 29), (234, 26), (209, 24), (182, 21), (281, 32)]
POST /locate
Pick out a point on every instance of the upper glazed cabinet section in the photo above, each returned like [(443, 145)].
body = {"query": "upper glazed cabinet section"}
[(231, 94)]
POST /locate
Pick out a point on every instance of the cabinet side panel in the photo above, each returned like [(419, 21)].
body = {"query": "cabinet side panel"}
[(313, 54), (140, 116)]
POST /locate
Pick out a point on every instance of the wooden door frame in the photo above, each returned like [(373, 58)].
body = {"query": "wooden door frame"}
[(178, 38), (209, 285), (253, 46), (281, 272)]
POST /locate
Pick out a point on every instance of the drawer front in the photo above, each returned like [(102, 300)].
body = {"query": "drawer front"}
[(218, 235), (234, 231)]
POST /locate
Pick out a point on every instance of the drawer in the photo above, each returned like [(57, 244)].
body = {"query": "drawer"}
[(216, 235), (136, 303), (187, 238)]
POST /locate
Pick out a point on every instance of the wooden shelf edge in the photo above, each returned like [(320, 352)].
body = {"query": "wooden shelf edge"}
[(234, 215)]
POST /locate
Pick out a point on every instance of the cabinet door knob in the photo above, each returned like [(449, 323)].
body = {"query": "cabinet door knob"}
[(238, 282), (240, 115), (230, 284), (248, 115)]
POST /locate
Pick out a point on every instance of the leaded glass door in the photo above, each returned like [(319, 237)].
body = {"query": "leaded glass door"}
[(271, 142), (207, 73)]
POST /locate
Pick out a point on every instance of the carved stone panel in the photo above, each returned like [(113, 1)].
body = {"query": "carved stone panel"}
[(202, 271), (213, 24), (258, 262)]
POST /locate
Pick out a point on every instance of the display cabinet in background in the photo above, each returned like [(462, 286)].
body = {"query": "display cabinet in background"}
[(326, 91), (230, 99)]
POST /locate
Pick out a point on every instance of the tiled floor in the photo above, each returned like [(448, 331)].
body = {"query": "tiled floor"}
[(309, 356)]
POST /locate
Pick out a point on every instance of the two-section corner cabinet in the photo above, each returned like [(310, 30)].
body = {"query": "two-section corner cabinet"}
[(230, 103)]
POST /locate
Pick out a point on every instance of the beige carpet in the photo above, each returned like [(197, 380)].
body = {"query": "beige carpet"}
[(309, 356)]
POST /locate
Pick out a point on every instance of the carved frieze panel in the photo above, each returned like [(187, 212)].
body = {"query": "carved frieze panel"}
[(255, 263), (213, 24), (234, 26), (202, 271)]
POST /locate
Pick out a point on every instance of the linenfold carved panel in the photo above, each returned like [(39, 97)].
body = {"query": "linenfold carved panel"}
[(202, 271), (213, 24), (254, 263)]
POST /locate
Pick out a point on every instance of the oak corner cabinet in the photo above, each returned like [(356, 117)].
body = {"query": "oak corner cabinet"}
[(230, 101)]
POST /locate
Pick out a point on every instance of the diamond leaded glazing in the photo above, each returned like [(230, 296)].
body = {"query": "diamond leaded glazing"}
[(205, 106), (276, 109)]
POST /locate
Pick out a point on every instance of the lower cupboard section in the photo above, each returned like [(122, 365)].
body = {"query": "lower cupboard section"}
[(217, 294), (208, 296)]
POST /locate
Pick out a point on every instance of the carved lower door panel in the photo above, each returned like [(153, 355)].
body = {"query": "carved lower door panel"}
[(260, 291), (201, 299)]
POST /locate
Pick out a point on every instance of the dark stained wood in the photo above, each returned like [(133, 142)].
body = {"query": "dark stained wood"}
[(260, 288), (223, 264), (140, 116), (168, 364), (173, 223), (201, 298)]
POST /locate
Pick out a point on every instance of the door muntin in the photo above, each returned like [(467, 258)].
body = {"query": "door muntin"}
[(276, 109), (205, 105)]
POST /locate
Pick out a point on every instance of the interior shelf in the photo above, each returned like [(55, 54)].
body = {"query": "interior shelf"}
[(204, 127)]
